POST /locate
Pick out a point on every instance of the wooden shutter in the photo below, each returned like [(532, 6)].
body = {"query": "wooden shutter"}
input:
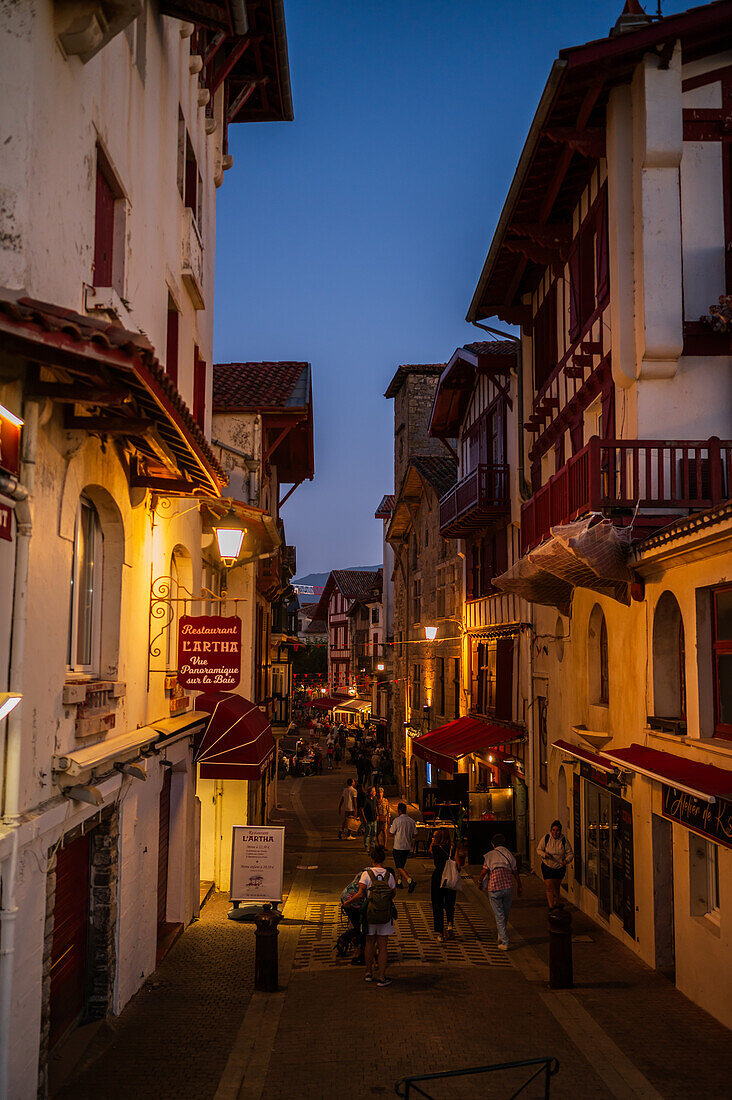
[(603, 261), (608, 412), (103, 231), (576, 435), (574, 294), (171, 344), (163, 848), (70, 934), (504, 679), (199, 387)]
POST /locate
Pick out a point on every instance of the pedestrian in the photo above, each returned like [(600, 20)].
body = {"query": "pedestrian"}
[(347, 807), (377, 885), (556, 854), (369, 816), (337, 755), (329, 755), (443, 900), (376, 768), (404, 831), (500, 867), (382, 816)]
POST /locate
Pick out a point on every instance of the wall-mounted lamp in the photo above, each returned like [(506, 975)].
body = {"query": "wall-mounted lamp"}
[(430, 633), (380, 666), (229, 537), (8, 701)]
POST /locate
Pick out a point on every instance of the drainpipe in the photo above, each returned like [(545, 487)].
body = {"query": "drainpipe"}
[(523, 486), (21, 494)]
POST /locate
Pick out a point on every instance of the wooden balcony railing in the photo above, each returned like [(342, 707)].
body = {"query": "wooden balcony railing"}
[(481, 498), (618, 475)]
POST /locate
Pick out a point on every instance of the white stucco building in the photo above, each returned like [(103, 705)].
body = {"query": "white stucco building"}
[(114, 120)]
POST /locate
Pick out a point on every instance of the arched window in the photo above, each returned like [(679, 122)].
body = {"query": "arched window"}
[(85, 616), (669, 659), (598, 664)]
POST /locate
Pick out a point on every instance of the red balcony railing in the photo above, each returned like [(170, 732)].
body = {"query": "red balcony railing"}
[(481, 498), (617, 475)]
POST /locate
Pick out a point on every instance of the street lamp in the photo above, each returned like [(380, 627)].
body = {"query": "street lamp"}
[(380, 666), (229, 537), (8, 701), (430, 633)]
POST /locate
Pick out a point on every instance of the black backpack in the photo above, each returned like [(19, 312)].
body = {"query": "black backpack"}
[(378, 907)]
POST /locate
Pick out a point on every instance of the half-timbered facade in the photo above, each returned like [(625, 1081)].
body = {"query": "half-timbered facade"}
[(611, 254), (341, 589)]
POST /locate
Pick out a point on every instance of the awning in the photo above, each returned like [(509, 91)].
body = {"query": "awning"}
[(326, 702), (585, 756), (237, 742), (352, 705), (704, 781), (446, 745)]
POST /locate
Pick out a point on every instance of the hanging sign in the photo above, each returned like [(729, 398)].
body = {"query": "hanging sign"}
[(257, 859), (709, 819), (6, 522), (209, 651)]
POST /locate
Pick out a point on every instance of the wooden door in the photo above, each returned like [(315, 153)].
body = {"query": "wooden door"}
[(70, 937), (163, 845)]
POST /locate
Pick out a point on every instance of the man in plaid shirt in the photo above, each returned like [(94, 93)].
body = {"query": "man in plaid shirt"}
[(500, 867)]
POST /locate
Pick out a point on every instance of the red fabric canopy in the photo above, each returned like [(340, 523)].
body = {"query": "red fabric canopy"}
[(444, 746), (702, 780), (237, 742), (586, 755), (327, 702)]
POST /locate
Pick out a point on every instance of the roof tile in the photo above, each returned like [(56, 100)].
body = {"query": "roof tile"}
[(262, 385)]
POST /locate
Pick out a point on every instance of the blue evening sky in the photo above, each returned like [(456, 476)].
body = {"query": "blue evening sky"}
[(354, 236)]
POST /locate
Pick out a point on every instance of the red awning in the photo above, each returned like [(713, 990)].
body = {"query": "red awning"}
[(701, 780), (237, 742), (443, 747), (584, 755), (327, 702)]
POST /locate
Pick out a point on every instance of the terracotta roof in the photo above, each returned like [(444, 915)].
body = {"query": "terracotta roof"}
[(132, 355), (244, 386), (492, 347), (440, 472), (457, 382), (403, 372), (386, 507), (688, 525), (354, 584), (316, 626), (308, 609)]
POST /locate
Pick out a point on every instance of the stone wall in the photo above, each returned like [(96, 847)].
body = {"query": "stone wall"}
[(412, 411)]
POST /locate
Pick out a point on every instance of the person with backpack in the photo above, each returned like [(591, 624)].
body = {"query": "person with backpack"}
[(500, 867), (556, 854), (378, 887)]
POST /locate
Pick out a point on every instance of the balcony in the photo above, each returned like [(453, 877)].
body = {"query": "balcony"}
[(613, 476), (191, 259), (480, 500)]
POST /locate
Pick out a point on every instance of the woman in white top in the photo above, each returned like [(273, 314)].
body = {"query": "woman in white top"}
[(377, 935), (556, 854)]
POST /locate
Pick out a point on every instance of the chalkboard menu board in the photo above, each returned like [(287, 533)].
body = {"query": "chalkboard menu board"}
[(577, 826), (623, 868)]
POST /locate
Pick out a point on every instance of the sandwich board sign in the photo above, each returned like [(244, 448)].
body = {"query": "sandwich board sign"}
[(257, 858)]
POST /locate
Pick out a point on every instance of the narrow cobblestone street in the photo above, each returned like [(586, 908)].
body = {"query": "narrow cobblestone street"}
[(196, 1029)]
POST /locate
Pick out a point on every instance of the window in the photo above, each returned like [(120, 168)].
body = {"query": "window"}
[(415, 552), (374, 615), (669, 660), (441, 577), (417, 600), (192, 192), (199, 388), (440, 686), (375, 646), (599, 678), (108, 228), (426, 535), (722, 655), (541, 709), (456, 686), (493, 678), (86, 590), (704, 878), (589, 280), (416, 677), (488, 559), (171, 341)]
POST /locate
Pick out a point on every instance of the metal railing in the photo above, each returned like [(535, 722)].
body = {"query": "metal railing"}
[(543, 1067)]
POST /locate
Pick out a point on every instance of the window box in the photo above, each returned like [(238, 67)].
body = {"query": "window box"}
[(96, 703)]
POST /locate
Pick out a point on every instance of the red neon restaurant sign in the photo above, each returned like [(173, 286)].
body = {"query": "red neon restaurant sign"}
[(209, 651)]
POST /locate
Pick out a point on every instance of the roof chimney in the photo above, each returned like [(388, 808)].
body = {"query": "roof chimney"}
[(631, 18)]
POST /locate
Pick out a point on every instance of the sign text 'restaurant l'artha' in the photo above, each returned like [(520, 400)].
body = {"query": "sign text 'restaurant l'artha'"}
[(209, 651)]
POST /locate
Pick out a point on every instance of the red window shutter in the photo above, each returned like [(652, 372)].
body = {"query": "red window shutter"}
[(603, 262), (103, 231), (608, 412), (559, 453), (587, 271), (501, 553), (574, 294), (504, 678), (171, 345), (576, 435), (199, 388)]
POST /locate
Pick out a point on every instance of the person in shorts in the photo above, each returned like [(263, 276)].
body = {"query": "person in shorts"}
[(404, 831), (556, 855), (377, 935)]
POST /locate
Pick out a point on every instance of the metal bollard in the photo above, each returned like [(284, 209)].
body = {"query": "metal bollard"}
[(560, 948), (266, 970)]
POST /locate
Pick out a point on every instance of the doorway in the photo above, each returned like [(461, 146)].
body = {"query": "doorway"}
[(70, 944), (414, 794), (663, 896)]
